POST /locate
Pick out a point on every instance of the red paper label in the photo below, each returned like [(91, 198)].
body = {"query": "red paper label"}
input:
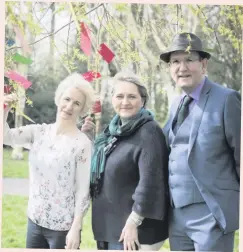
[(106, 53), (90, 76), (97, 107), (85, 43), (7, 89)]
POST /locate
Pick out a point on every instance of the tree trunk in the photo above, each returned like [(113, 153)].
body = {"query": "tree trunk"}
[(52, 40)]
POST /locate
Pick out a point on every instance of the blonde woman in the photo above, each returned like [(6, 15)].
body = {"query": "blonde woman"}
[(59, 167)]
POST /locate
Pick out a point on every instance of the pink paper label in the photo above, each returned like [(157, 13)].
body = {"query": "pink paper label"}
[(18, 78)]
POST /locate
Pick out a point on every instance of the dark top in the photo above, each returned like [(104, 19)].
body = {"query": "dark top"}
[(136, 178)]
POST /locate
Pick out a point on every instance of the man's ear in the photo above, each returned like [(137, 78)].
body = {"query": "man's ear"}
[(204, 65)]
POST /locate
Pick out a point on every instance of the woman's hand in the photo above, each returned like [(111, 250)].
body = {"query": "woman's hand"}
[(9, 99), (73, 239), (129, 236), (88, 128), (88, 125)]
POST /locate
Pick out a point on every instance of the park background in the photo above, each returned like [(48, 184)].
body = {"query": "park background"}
[(43, 44)]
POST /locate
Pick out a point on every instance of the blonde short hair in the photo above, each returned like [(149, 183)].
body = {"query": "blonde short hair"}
[(76, 80)]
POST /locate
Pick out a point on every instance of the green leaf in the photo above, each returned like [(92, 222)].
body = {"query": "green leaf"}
[(21, 59), (25, 116), (121, 7)]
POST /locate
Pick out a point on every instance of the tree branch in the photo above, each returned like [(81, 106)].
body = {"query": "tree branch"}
[(115, 30), (46, 11), (211, 28), (240, 29), (51, 34), (68, 40)]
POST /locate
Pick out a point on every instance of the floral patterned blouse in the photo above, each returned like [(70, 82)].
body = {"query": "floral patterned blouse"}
[(59, 173)]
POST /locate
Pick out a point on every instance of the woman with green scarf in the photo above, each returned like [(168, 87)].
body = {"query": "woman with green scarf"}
[(129, 174)]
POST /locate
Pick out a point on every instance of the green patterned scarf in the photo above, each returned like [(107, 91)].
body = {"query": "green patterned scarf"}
[(106, 142)]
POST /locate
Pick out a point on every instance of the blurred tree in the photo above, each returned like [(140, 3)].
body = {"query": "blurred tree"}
[(136, 33)]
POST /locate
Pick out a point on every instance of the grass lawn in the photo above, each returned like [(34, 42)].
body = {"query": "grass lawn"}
[(15, 168), (14, 223), (14, 226)]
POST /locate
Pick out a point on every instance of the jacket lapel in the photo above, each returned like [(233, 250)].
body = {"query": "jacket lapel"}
[(172, 114), (198, 113)]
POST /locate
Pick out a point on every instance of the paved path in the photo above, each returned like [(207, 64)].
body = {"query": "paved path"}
[(15, 186)]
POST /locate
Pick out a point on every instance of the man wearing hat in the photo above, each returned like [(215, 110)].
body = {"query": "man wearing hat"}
[(203, 135)]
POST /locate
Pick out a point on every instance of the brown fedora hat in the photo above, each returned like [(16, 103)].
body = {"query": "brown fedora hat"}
[(185, 42)]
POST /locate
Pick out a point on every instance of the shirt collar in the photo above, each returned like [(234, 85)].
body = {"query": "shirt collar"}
[(195, 94)]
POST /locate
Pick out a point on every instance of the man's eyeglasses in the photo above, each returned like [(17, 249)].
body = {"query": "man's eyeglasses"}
[(174, 63)]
